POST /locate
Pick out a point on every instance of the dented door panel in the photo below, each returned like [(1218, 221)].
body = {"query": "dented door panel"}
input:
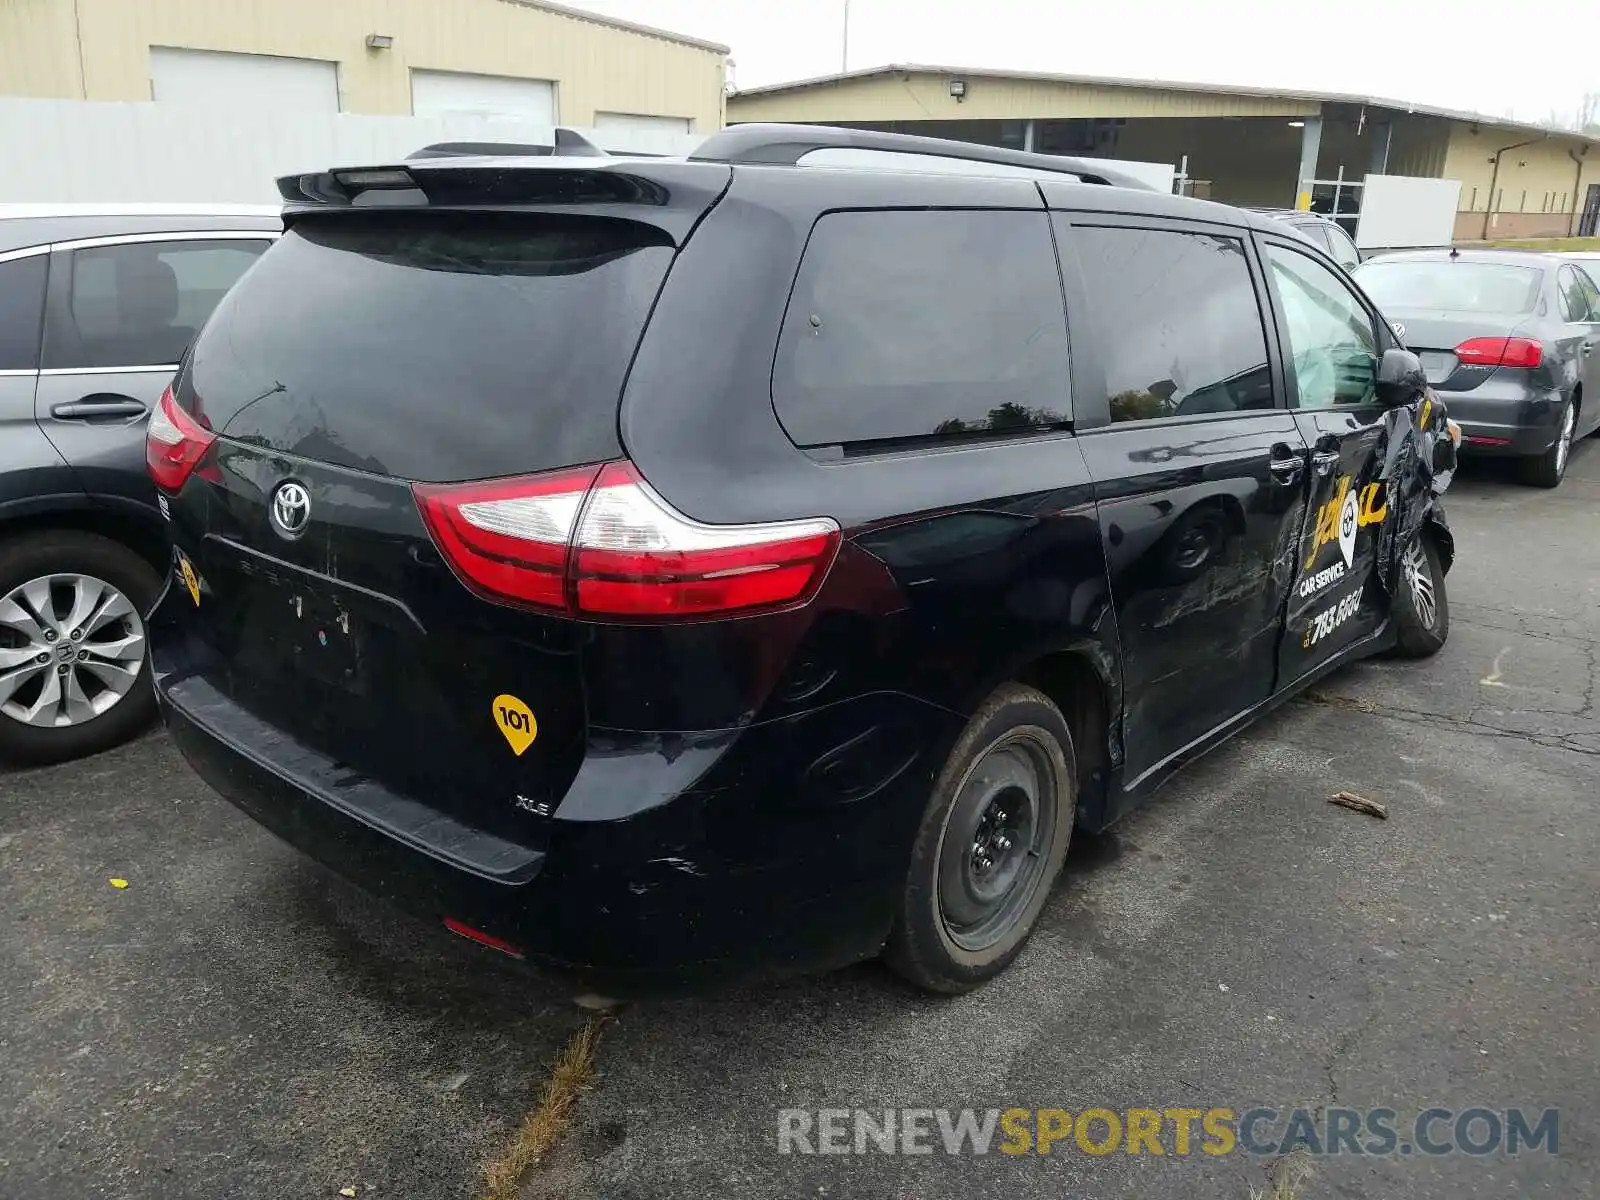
[(1200, 523)]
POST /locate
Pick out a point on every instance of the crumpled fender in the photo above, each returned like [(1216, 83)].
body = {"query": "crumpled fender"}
[(1419, 463)]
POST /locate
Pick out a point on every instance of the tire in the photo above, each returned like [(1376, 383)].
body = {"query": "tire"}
[(1421, 607), (958, 922), (112, 645), (1549, 468)]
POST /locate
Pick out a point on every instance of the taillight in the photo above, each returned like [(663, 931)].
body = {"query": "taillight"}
[(174, 443), (599, 541), (1501, 352), (636, 556), (508, 539)]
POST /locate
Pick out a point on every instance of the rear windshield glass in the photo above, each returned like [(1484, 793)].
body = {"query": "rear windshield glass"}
[(1452, 286), (432, 346)]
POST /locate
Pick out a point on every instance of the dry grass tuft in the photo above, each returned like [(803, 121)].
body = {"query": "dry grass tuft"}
[(570, 1074), (1285, 1178)]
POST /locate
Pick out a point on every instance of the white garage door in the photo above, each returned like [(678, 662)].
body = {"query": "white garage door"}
[(633, 122), (448, 94), (215, 78)]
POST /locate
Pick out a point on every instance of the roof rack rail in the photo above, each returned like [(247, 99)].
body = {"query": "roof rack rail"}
[(568, 144), (786, 145)]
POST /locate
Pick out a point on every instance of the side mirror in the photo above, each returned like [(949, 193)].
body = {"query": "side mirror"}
[(1400, 378)]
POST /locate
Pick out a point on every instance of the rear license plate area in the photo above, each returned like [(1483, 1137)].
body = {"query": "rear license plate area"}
[(296, 634), (1437, 365)]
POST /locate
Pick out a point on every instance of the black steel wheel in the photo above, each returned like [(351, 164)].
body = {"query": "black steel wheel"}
[(992, 841)]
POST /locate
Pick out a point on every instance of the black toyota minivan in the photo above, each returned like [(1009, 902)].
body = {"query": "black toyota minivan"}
[(655, 567)]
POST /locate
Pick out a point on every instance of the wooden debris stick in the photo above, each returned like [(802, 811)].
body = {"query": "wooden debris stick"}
[(1360, 804)]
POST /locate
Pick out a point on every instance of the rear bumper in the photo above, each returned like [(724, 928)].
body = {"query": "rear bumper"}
[(1505, 418), (720, 882)]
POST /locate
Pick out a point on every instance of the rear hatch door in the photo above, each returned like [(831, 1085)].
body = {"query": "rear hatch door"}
[(367, 351)]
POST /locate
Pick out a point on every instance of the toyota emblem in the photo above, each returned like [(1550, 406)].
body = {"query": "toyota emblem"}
[(291, 509)]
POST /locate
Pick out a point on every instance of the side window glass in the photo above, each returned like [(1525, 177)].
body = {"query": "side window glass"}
[(1568, 295), (1344, 250), (923, 324), (140, 304), (1315, 233), (1575, 304), (21, 312), (1333, 345), (1591, 293), (1176, 320)]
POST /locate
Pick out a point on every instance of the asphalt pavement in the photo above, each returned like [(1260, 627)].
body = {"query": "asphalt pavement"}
[(235, 1023)]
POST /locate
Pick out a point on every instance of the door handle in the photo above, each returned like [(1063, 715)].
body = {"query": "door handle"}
[(1325, 455), (98, 408), (1285, 464)]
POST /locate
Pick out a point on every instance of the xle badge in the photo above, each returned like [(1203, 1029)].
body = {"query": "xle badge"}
[(190, 579), (516, 722)]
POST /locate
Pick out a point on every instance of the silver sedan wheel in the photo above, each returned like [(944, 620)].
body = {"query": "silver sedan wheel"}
[(1420, 580), (1564, 441), (70, 648)]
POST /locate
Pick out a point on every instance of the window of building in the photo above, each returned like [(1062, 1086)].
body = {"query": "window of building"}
[(923, 324), (21, 312), (1176, 321), (1331, 335), (141, 304)]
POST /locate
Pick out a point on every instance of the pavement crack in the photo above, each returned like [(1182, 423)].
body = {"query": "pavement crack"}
[(1551, 741), (1587, 708), (1340, 1048), (1438, 720)]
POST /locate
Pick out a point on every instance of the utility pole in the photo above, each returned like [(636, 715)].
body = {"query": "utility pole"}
[(844, 62)]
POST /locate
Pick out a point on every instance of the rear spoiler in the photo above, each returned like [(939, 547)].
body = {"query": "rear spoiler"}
[(568, 144), (669, 194)]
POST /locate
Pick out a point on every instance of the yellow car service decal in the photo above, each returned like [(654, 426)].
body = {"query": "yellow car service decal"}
[(1340, 518), (1325, 622)]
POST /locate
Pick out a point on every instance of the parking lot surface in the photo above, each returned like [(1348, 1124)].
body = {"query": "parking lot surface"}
[(235, 1023)]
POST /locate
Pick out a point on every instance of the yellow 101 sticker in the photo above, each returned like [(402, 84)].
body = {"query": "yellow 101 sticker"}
[(516, 723), (190, 579)]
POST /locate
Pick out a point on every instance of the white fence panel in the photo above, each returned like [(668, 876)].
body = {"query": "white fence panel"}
[(75, 151), (1398, 211)]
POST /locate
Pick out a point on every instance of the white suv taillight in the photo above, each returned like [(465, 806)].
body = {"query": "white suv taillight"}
[(599, 541), (174, 443)]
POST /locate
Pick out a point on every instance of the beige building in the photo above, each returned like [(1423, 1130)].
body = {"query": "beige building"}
[(1247, 146), (512, 58)]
